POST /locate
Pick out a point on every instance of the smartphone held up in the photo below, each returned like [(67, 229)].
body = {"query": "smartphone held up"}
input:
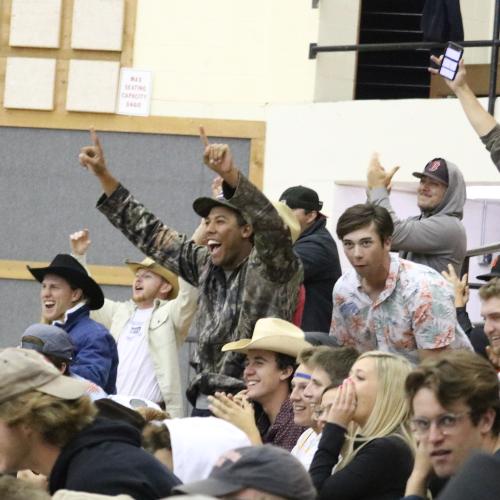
[(451, 58)]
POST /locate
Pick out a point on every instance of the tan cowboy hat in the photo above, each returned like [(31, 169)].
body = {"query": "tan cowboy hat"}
[(272, 334), (289, 218), (165, 273)]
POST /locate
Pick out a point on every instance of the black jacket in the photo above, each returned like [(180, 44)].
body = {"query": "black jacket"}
[(378, 472), (106, 457), (442, 21), (319, 256)]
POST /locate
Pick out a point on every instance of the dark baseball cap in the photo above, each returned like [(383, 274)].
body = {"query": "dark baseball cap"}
[(203, 205), (301, 197), (494, 273), (266, 468), (436, 169), (52, 340)]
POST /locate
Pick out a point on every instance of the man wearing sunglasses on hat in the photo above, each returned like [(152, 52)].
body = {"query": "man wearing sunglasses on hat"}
[(455, 413)]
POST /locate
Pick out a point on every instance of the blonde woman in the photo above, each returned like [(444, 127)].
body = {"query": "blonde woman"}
[(367, 425)]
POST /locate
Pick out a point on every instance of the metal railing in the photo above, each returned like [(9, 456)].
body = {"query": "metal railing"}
[(474, 252), (315, 49)]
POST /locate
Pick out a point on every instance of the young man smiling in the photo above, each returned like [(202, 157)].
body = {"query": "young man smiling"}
[(68, 294), (387, 303), (437, 236), (490, 310), (269, 367), (456, 412), (148, 329), (247, 272)]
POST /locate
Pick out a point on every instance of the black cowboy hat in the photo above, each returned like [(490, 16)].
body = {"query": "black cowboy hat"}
[(67, 267), (494, 273)]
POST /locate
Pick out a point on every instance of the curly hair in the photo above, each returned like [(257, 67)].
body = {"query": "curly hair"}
[(57, 420)]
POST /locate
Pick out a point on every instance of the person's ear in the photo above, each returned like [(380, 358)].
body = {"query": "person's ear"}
[(165, 289), (246, 231), (486, 421), (311, 216), (286, 373), (76, 295)]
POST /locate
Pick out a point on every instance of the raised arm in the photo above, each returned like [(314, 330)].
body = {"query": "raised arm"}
[(272, 240), (80, 243), (378, 184), (92, 158), (479, 118), (163, 244)]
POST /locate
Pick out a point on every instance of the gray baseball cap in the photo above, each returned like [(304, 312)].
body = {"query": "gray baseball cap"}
[(266, 468), (52, 340)]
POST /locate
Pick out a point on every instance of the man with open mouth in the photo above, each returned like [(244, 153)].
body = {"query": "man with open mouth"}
[(247, 271), (68, 294)]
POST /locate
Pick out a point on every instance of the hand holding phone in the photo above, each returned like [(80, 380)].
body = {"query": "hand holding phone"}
[(450, 60)]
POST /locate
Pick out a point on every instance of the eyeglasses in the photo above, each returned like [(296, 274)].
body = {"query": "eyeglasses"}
[(446, 423)]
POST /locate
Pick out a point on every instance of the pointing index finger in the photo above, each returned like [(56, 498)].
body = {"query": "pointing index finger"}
[(94, 138), (203, 136)]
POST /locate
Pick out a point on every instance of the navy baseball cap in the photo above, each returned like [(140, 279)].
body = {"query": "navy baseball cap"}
[(436, 169)]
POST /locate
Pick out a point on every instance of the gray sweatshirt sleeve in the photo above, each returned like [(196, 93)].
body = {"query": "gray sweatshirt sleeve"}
[(428, 235)]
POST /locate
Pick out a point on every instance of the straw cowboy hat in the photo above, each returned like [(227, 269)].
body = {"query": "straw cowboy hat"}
[(165, 273), (272, 334), (289, 218)]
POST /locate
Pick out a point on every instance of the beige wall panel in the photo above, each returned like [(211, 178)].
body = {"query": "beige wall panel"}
[(35, 23), (477, 17), (336, 72), (92, 86), (29, 83), (98, 24), (226, 52)]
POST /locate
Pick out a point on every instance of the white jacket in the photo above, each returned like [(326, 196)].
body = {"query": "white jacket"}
[(168, 328)]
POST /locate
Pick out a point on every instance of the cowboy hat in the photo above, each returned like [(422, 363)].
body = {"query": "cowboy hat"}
[(289, 218), (165, 273), (67, 267), (272, 334)]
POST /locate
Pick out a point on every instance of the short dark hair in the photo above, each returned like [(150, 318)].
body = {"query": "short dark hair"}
[(362, 215), (459, 375), (283, 361), (335, 361)]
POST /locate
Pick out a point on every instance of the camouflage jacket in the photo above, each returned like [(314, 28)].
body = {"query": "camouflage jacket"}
[(266, 284)]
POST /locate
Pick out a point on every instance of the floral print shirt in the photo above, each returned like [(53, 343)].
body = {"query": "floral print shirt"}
[(414, 311)]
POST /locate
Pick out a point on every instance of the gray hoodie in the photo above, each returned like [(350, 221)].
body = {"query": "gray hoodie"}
[(435, 238)]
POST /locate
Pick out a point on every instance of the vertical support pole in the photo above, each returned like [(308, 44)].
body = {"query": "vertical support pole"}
[(494, 60)]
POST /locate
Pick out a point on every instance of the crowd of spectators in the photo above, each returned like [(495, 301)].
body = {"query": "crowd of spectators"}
[(370, 384)]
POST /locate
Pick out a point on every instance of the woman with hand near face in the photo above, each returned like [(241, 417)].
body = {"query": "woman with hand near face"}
[(367, 425)]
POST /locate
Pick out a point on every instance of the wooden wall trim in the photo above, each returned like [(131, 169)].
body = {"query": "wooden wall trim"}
[(238, 129), (104, 275)]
